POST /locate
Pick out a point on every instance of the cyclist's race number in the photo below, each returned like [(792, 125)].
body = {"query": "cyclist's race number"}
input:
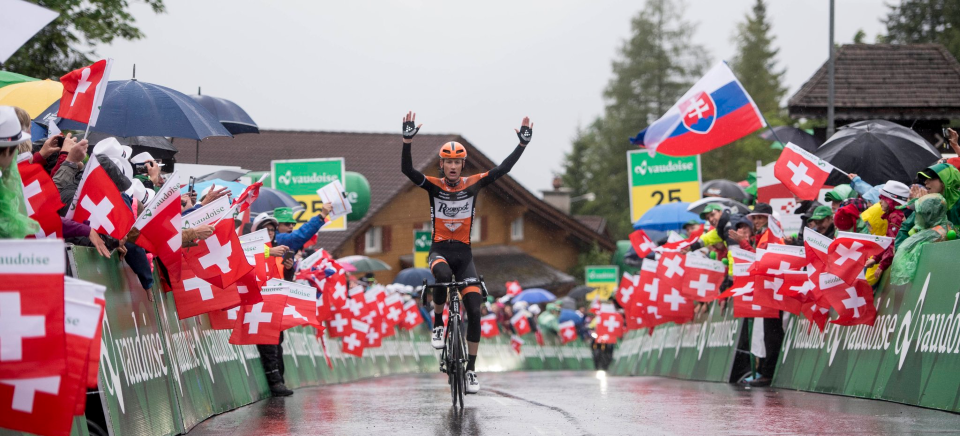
[(308, 212), (670, 196)]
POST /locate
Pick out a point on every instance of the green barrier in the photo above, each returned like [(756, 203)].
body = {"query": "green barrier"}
[(910, 355), (702, 349), (162, 376)]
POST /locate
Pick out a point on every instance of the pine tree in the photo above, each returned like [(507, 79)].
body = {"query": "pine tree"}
[(924, 21), (656, 65), (755, 65)]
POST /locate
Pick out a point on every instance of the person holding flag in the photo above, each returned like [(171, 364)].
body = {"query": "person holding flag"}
[(14, 222), (295, 239)]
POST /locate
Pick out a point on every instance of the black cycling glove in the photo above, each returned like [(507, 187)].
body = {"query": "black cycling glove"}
[(409, 130), (525, 134)]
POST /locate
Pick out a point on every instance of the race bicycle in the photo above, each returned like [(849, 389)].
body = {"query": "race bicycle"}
[(453, 357)]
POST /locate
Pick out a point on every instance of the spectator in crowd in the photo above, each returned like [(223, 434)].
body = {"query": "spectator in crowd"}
[(930, 225), (821, 220), (295, 239), (147, 170), (549, 320), (943, 179), (840, 193), (14, 222), (891, 196)]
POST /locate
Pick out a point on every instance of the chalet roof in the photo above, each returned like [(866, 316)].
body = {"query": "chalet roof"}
[(884, 81), (377, 157)]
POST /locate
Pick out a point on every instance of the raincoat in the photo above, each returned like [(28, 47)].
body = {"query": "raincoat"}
[(14, 222), (950, 177), (930, 225)]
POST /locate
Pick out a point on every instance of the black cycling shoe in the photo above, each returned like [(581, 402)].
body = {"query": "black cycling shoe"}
[(280, 390)]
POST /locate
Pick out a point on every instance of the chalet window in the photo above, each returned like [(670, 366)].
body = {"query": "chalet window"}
[(476, 233), (516, 229), (373, 240)]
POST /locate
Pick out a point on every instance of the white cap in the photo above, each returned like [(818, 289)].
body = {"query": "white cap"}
[(895, 191), (137, 191), (263, 218), (10, 131), (143, 158), (111, 148)]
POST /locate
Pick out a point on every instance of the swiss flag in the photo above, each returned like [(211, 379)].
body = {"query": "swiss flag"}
[(41, 199), (817, 312), (634, 322), (801, 172), (521, 325), (324, 311), (254, 245), (799, 285), (849, 253), (354, 340), (516, 343), (513, 288), (83, 91), (641, 243), (99, 201), (374, 336), (816, 247), (769, 292), (854, 303), (83, 318), (393, 310), (247, 197), (92, 293), (301, 305), (742, 285), (248, 288), (671, 269), (336, 287), (629, 292), (650, 294), (199, 296), (160, 224), (702, 278), (259, 323), (611, 323), (488, 326), (225, 319), (356, 306), (32, 339), (411, 315), (339, 324), (744, 305), (676, 242), (219, 259), (673, 305), (568, 332), (777, 258)]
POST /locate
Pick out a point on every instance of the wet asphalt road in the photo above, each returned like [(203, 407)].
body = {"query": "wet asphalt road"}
[(576, 403)]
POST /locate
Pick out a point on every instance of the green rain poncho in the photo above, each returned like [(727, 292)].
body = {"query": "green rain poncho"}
[(840, 193), (950, 177), (930, 225), (14, 222)]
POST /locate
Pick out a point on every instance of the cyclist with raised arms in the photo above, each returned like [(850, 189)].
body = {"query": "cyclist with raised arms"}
[(452, 201)]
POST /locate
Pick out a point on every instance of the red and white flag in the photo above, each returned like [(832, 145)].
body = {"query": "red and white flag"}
[(488, 326), (99, 201), (817, 312), (520, 323), (769, 292), (671, 269), (411, 315), (853, 303), (339, 324), (393, 310), (246, 198), (301, 305), (41, 199), (374, 336), (650, 294), (32, 340), (82, 319), (198, 296), (254, 245), (673, 305), (777, 258), (742, 285), (568, 331), (93, 293), (816, 247), (516, 343), (744, 306), (849, 253), (353, 341), (513, 288), (83, 91), (610, 323), (219, 259), (259, 323), (225, 319), (801, 172), (641, 243), (702, 279), (629, 292), (160, 223), (799, 285), (248, 288)]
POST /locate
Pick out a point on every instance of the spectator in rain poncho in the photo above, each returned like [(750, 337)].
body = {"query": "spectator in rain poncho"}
[(930, 225), (14, 222), (548, 321), (943, 179), (841, 193)]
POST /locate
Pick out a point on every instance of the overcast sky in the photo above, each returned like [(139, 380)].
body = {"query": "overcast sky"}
[(473, 68)]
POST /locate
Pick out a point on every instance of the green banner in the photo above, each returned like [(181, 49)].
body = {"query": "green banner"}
[(302, 178), (662, 169), (421, 247), (910, 355), (702, 349), (604, 279)]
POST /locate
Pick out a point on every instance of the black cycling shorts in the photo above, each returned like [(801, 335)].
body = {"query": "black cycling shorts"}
[(457, 256)]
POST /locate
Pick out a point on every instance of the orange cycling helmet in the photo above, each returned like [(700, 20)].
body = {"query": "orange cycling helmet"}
[(453, 150)]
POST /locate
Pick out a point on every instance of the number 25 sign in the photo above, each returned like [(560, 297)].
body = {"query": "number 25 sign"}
[(661, 179)]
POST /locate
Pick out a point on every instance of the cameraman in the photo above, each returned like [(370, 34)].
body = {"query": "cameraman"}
[(147, 170)]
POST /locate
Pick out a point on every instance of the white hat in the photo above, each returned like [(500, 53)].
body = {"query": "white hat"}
[(143, 158), (895, 191), (10, 131), (117, 153), (137, 191), (262, 219)]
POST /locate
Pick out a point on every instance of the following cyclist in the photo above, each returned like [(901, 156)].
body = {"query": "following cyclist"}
[(452, 201)]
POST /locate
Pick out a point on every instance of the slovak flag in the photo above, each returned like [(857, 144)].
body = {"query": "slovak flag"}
[(488, 326), (83, 91), (641, 243), (801, 172), (849, 252), (714, 113), (99, 201)]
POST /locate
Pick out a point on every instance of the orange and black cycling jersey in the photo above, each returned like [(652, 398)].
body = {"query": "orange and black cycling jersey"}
[(452, 207)]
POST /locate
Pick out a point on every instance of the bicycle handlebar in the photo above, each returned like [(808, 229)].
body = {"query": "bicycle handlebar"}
[(454, 284)]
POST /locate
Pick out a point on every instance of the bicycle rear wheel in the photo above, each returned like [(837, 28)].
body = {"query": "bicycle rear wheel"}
[(459, 375)]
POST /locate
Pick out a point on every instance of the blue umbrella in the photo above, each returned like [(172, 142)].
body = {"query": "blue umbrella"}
[(669, 216), (232, 116), (414, 277), (235, 187), (570, 315), (534, 296), (134, 108), (270, 199)]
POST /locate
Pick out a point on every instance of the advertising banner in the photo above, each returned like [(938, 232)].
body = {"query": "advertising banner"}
[(421, 248), (604, 279), (910, 355), (661, 179), (702, 349), (302, 178)]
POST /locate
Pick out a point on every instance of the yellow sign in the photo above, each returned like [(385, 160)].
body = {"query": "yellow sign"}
[(643, 198), (604, 279), (302, 178), (661, 179), (312, 207)]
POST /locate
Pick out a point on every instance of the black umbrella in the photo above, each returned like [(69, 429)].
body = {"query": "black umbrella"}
[(232, 116), (580, 292), (414, 277), (877, 151), (724, 188), (698, 206), (270, 199), (798, 137), (228, 175), (158, 146)]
